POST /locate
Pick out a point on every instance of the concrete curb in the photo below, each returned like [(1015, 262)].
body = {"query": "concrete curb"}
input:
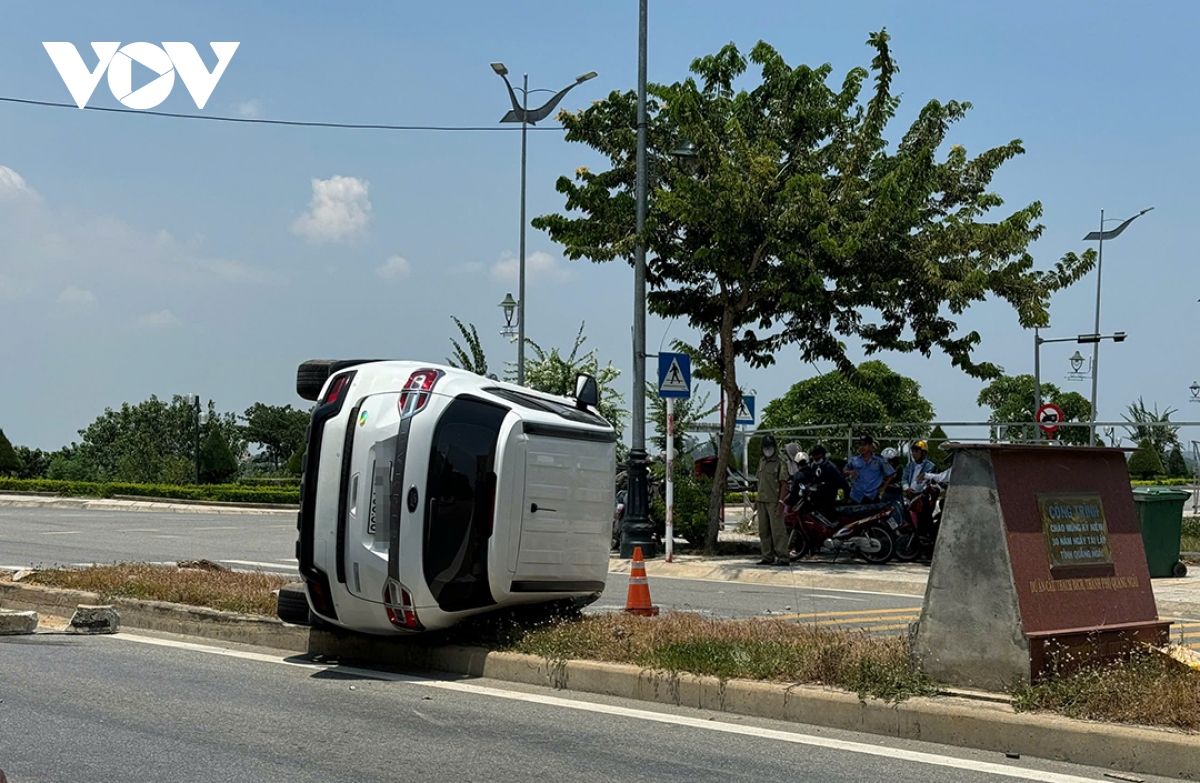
[(949, 720)]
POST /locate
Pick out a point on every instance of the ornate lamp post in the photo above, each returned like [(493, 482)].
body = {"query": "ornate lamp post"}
[(523, 114)]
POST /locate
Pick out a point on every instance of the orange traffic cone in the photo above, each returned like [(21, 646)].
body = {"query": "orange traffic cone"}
[(638, 599)]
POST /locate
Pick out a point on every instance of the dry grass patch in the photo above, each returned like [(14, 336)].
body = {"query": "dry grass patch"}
[(773, 650), (230, 591), (1149, 689)]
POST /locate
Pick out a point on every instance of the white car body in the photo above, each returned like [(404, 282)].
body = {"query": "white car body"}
[(458, 495)]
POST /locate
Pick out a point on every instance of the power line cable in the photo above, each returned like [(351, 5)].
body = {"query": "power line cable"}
[(261, 121)]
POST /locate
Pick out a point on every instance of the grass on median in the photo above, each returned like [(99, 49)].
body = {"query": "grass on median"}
[(230, 591), (1148, 689), (772, 650)]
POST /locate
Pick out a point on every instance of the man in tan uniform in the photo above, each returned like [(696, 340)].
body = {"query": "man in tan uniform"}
[(772, 484)]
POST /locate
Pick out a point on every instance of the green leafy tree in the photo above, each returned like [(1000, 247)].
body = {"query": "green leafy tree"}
[(1177, 466), (1147, 424), (1012, 399), (218, 465), (1145, 463), (279, 429), (69, 464), (872, 393), (688, 412), (553, 373), (797, 222), (296, 462), (470, 358), (10, 463), (34, 462)]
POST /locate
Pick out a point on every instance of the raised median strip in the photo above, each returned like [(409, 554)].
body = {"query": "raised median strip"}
[(17, 622), (952, 720)]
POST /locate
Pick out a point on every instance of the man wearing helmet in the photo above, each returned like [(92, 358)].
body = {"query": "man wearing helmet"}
[(913, 481), (772, 482)]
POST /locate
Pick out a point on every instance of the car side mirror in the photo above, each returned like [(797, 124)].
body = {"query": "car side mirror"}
[(587, 392)]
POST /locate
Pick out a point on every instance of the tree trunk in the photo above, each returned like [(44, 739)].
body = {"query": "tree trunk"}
[(733, 401)]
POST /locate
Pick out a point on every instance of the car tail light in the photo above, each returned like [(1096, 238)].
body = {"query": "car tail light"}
[(336, 388), (416, 392), (399, 604)]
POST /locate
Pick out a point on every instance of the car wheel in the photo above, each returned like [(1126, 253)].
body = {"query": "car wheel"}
[(292, 605), (311, 375)]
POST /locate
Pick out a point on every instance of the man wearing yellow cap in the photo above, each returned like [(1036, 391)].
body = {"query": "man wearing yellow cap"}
[(913, 481)]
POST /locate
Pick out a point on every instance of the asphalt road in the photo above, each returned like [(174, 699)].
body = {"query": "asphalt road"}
[(54, 536), (146, 709), (50, 536)]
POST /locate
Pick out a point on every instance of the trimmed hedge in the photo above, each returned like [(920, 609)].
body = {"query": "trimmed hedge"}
[(229, 493), (280, 482), (1164, 482)]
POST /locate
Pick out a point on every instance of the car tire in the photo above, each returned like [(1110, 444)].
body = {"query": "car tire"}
[(292, 605), (312, 374)]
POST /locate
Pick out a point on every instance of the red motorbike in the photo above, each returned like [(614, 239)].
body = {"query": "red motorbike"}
[(866, 530), (917, 534)]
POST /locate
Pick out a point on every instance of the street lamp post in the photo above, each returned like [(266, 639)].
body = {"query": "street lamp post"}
[(509, 329), (637, 528), (1102, 235), (193, 402), (523, 114), (1076, 363)]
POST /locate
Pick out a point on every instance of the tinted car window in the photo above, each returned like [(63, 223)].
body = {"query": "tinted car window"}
[(460, 503), (548, 406)]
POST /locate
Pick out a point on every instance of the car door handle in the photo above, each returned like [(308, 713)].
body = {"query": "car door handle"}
[(534, 508)]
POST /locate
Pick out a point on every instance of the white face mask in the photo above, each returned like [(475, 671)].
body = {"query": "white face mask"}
[(768, 452)]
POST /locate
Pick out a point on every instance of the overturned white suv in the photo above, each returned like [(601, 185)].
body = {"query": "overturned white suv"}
[(430, 494)]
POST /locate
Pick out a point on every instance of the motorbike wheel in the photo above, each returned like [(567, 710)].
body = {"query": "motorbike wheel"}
[(908, 547), (797, 545), (887, 546)]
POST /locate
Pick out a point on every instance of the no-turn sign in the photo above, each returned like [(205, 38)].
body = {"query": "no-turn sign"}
[(1048, 418)]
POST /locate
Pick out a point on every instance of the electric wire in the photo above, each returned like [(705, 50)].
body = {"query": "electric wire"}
[(264, 121)]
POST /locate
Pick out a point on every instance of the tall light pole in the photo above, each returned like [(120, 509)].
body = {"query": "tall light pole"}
[(638, 529), (523, 114), (1102, 235)]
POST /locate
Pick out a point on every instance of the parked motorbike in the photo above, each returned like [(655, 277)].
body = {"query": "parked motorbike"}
[(866, 530), (917, 534)]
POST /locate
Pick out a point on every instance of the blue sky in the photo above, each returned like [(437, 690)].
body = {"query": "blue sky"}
[(142, 255)]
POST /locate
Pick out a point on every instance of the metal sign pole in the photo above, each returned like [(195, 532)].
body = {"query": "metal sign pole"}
[(669, 537), (746, 474)]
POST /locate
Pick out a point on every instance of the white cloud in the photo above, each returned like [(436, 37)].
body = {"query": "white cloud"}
[(160, 320), (538, 266), (44, 245), (77, 296), (250, 109), (394, 268), (339, 210), (13, 186)]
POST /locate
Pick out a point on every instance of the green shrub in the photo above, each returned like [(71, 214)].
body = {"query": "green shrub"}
[(690, 520), (1145, 462), (228, 493)]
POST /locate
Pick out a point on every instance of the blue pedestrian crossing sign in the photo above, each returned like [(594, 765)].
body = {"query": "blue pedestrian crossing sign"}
[(674, 375), (745, 414)]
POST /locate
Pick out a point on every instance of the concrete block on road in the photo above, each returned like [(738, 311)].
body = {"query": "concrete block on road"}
[(94, 619), (17, 622)]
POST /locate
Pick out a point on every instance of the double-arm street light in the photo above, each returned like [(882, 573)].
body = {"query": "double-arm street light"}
[(1076, 364), (523, 114), (1102, 235)]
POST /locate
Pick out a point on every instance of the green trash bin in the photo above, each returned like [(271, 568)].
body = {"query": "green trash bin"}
[(1160, 516)]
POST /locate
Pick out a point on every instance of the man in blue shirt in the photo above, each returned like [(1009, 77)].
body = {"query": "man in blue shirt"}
[(912, 482), (870, 473)]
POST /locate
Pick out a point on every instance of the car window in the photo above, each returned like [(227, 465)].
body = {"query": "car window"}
[(548, 406), (460, 503)]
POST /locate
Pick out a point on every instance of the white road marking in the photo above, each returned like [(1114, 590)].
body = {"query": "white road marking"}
[(652, 577), (225, 527), (62, 533), (256, 564), (919, 757), (148, 530)]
